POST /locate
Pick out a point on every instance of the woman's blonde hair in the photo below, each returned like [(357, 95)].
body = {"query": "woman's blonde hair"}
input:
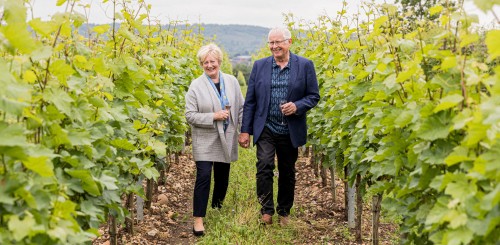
[(209, 49)]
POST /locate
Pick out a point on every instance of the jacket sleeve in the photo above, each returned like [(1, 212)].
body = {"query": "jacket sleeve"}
[(193, 116), (241, 101), (311, 96), (250, 103)]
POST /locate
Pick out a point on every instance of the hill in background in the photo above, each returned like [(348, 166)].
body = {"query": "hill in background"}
[(237, 40)]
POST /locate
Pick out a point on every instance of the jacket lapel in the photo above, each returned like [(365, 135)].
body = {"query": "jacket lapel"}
[(230, 94), (268, 69), (293, 74), (213, 95)]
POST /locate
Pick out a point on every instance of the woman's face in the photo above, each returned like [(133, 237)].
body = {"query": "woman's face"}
[(211, 66)]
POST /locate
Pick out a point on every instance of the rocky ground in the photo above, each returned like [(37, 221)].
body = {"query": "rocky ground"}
[(319, 219)]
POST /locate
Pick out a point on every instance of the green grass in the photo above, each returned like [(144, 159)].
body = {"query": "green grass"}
[(237, 222)]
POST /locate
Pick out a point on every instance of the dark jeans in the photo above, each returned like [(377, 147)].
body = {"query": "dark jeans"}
[(268, 145), (202, 186)]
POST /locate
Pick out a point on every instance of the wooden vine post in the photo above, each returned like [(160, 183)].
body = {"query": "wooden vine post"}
[(323, 170), (129, 221), (113, 237), (359, 209), (376, 203), (332, 183)]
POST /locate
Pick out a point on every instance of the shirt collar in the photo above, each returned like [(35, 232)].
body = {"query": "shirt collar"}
[(276, 65)]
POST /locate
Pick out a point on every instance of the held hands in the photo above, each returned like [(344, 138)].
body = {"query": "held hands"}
[(288, 108), (221, 115), (244, 140)]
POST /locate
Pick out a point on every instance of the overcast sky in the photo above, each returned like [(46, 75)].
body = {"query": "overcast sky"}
[(266, 13)]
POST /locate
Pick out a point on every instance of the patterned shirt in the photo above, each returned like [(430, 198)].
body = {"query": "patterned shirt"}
[(276, 121)]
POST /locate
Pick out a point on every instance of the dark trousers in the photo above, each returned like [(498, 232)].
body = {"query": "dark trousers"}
[(202, 186), (268, 145)]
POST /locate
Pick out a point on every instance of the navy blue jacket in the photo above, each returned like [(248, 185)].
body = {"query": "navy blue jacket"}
[(302, 90)]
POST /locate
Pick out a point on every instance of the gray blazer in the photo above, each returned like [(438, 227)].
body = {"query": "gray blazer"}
[(210, 143)]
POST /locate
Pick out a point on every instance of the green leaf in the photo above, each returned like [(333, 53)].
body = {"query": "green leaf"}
[(461, 189), (88, 182), (89, 208), (79, 137), (60, 99), (58, 136), (457, 219), (12, 135), (458, 236), (128, 35), (434, 127), (27, 197), (460, 120), (404, 118), (475, 133), (148, 113), (486, 5), (40, 165), (101, 29), (18, 35), (435, 9), (159, 147), (390, 81), (492, 39), (45, 28), (437, 214), (405, 75), (449, 62), (383, 168), (109, 182), (437, 183), (123, 144), (142, 96), (491, 200), (468, 39), (61, 70), (448, 102), (65, 209), (59, 232), (150, 173), (479, 227), (42, 53), (60, 2), (20, 228), (380, 21), (97, 102), (5, 196), (459, 154)]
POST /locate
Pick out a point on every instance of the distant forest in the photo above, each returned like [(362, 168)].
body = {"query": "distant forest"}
[(237, 39), (234, 39)]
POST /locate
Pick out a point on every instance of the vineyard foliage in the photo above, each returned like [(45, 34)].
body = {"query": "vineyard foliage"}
[(83, 117), (414, 107)]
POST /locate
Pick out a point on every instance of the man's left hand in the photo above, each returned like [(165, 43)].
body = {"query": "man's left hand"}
[(289, 108)]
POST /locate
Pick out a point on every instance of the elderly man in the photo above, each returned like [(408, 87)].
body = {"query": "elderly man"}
[(281, 89)]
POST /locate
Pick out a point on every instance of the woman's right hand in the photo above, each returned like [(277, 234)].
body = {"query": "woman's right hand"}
[(221, 115)]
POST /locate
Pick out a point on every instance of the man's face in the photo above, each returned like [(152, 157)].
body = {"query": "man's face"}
[(278, 45)]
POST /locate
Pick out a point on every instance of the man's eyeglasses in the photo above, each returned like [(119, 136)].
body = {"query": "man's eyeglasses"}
[(277, 42)]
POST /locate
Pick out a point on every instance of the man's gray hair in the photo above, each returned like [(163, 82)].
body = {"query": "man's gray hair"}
[(281, 30)]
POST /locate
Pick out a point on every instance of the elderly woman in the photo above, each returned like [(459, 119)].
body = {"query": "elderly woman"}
[(214, 108)]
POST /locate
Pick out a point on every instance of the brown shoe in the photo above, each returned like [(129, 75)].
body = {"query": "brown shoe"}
[(284, 220), (266, 219)]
